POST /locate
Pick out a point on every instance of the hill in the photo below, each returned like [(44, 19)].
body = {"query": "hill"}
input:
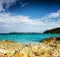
[(55, 30)]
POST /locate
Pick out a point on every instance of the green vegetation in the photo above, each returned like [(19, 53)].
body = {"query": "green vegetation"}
[(55, 30)]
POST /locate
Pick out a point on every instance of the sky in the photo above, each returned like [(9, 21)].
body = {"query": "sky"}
[(29, 15)]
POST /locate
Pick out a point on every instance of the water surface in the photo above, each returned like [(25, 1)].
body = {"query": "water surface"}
[(26, 37)]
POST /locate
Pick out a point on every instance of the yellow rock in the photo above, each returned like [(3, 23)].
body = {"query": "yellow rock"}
[(18, 55), (1, 56), (58, 45), (44, 55), (9, 54)]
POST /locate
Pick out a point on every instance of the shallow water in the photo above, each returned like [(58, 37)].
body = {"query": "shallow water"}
[(26, 38)]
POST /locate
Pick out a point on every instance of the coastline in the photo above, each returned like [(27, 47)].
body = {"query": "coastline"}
[(46, 48)]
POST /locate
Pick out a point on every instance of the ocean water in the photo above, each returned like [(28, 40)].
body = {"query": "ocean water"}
[(26, 38)]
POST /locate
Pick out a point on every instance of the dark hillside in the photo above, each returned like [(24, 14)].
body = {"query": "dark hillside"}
[(55, 30)]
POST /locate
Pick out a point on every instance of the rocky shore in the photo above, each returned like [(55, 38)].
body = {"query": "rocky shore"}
[(49, 47)]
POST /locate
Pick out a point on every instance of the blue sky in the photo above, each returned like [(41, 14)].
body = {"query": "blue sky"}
[(29, 15)]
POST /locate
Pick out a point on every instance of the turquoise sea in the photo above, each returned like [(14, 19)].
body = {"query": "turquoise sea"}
[(26, 38)]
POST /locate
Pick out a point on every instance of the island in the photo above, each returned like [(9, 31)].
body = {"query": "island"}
[(24, 32), (55, 30)]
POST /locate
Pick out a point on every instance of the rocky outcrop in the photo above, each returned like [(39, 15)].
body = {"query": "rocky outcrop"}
[(46, 48), (51, 40)]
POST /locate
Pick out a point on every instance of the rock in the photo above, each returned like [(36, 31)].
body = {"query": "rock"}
[(51, 40)]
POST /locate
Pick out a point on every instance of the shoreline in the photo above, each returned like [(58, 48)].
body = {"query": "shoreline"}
[(49, 47)]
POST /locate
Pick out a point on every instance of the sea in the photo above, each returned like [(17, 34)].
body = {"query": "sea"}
[(26, 37)]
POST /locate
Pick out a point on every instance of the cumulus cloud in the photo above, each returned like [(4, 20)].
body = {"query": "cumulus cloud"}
[(9, 22), (8, 18), (54, 16), (7, 3), (20, 23)]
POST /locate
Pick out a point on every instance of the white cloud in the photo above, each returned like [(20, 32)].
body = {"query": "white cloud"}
[(18, 23), (8, 18), (55, 14), (7, 2), (9, 22), (23, 4), (24, 23), (52, 16)]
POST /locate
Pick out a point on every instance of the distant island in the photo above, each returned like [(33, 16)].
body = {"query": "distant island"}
[(55, 30), (21, 33)]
